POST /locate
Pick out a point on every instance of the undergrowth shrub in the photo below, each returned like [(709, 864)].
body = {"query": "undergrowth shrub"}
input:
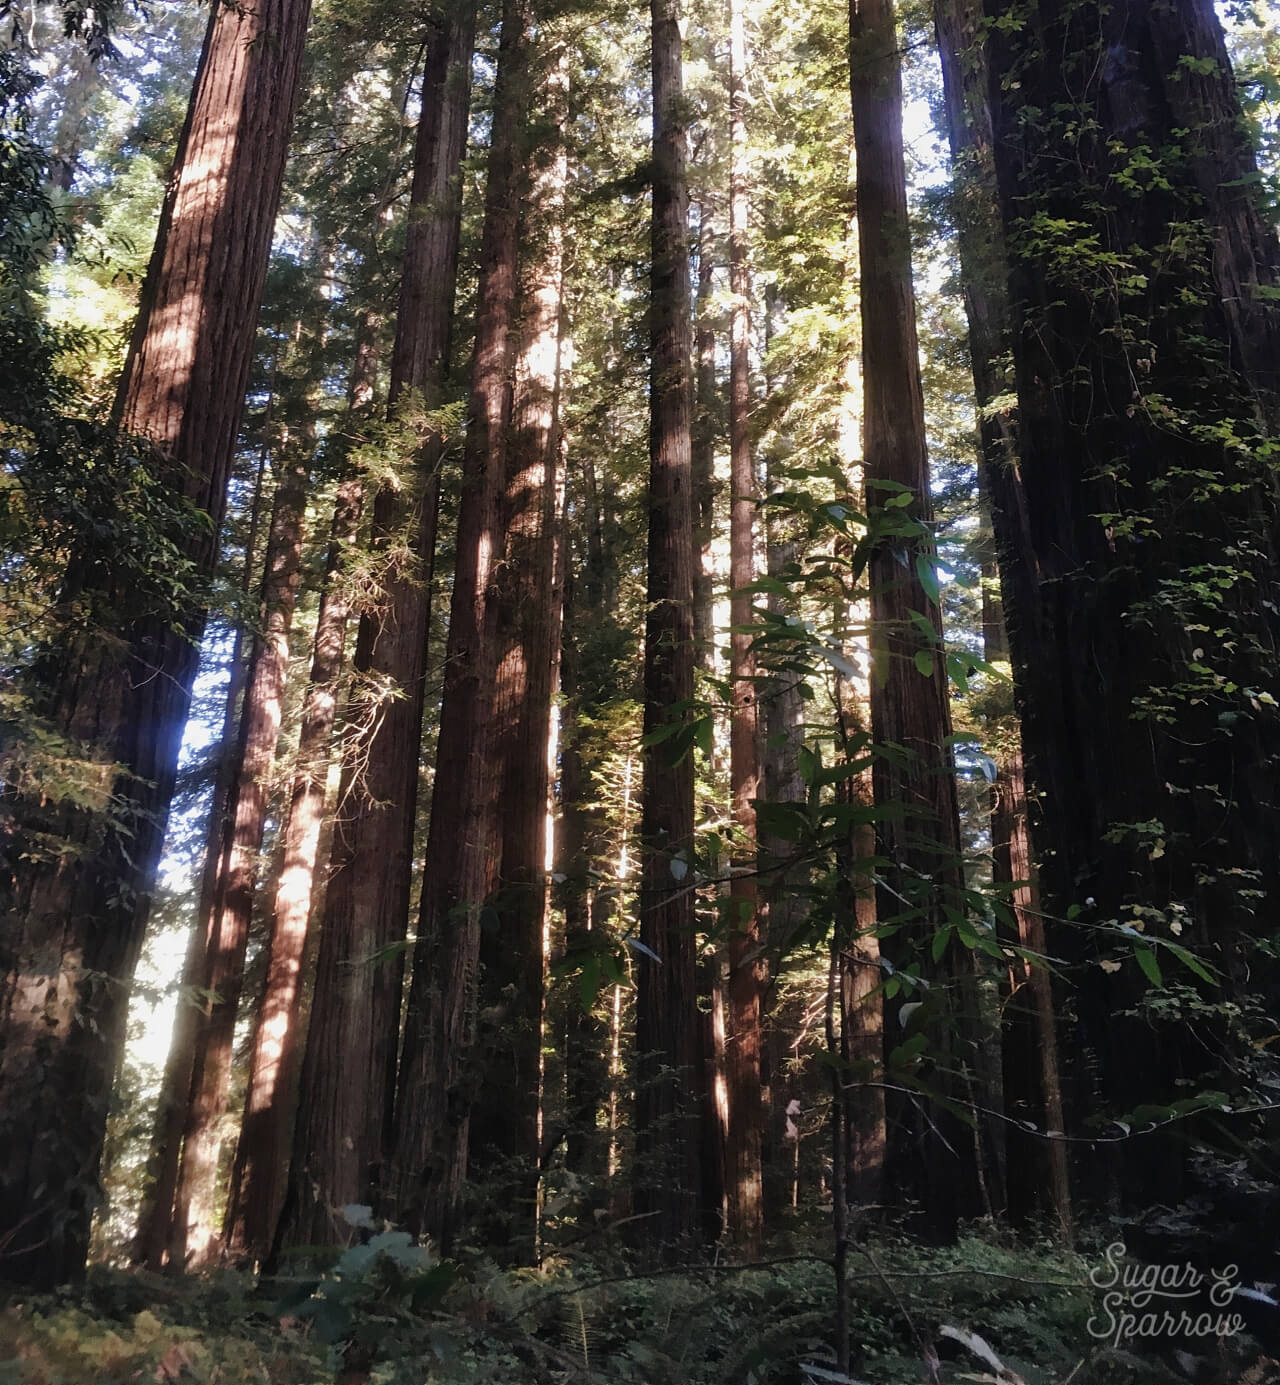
[(389, 1313)]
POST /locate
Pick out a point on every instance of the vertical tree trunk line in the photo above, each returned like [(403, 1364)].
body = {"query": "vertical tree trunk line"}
[(743, 1174), (437, 1070), (82, 915), (861, 1000), (344, 1124), (1106, 633), (703, 441), (984, 258), (261, 1158), (194, 1232), (155, 1219), (667, 1080), (909, 707), (505, 1120)]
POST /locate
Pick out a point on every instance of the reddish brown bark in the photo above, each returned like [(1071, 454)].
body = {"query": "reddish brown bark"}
[(504, 1139), (75, 921), (349, 1064), (909, 708), (743, 1174), (155, 1221), (257, 1177), (195, 1234), (1108, 636), (1032, 1086), (667, 1078), (703, 442), (437, 1072)]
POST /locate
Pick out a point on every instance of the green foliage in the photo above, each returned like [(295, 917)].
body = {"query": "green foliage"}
[(388, 1313)]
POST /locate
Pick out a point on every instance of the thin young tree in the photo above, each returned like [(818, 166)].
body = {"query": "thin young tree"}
[(75, 915)]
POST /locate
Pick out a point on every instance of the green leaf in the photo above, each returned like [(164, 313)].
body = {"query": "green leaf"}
[(924, 662), (773, 586), (1150, 967), (928, 575), (1192, 962), (924, 625)]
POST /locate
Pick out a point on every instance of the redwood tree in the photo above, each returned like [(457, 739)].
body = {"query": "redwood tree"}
[(194, 1229), (743, 1175), (437, 1070), (910, 716), (343, 1122), (1032, 1084), (666, 1174), (261, 1158), (529, 595), (1146, 342), (75, 913)]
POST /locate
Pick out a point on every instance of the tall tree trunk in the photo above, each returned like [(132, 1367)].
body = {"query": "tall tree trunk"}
[(257, 1178), (194, 1232), (75, 917), (258, 1173), (862, 1008), (743, 1174), (438, 1064), (909, 707), (703, 443), (783, 711), (1151, 766), (585, 1048), (340, 1137), (984, 258), (155, 1220), (666, 1172), (505, 1119)]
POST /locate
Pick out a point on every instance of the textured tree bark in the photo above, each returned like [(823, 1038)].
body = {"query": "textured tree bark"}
[(909, 708), (257, 1178), (155, 1221), (75, 918), (349, 1064), (586, 1040), (1153, 773), (984, 257), (667, 1079), (744, 1178), (438, 1064), (258, 1173), (195, 1235), (783, 711), (706, 426), (504, 1140)]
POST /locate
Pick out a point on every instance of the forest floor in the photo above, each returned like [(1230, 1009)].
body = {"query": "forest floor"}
[(980, 1311)]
